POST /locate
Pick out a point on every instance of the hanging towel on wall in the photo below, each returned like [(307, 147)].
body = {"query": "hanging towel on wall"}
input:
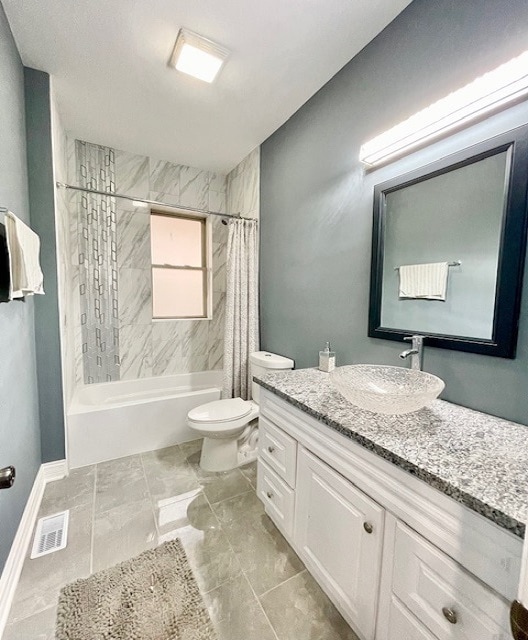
[(426, 281), (23, 248)]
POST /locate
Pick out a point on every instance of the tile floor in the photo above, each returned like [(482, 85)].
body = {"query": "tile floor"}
[(254, 585)]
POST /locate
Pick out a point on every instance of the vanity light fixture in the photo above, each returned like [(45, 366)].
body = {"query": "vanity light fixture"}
[(197, 56), (495, 89)]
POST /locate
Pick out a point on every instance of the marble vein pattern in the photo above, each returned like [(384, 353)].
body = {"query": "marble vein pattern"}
[(251, 183), (136, 353), (477, 459), (218, 320), (133, 239), (217, 182), (243, 186), (166, 348), (216, 355), (195, 337), (219, 266), (135, 296), (253, 584), (131, 174), (217, 201), (194, 187), (164, 178)]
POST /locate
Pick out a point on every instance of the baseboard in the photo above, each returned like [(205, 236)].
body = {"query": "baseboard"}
[(54, 470), (13, 567)]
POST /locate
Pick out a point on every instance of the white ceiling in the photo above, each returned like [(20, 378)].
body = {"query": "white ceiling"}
[(108, 59)]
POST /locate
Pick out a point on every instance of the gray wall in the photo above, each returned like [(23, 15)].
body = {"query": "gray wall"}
[(19, 421), (316, 199), (42, 214)]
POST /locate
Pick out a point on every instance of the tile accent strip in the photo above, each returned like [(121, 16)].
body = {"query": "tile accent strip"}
[(97, 233)]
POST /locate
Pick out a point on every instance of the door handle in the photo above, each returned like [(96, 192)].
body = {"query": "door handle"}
[(7, 477)]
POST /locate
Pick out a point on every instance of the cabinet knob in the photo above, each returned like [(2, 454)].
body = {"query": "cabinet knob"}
[(368, 527), (271, 449), (269, 495), (450, 615)]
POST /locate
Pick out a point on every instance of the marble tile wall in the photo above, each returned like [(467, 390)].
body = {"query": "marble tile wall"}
[(62, 223), (164, 347), (243, 186)]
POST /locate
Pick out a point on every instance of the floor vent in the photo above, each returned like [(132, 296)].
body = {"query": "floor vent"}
[(51, 534)]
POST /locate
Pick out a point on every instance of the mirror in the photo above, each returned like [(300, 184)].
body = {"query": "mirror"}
[(449, 243)]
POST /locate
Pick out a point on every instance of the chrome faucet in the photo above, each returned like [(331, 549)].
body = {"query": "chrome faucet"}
[(416, 352)]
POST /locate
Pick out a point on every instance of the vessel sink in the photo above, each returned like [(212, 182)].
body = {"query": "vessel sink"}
[(385, 389)]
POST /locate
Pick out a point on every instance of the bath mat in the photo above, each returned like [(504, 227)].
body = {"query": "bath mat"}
[(153, 596)]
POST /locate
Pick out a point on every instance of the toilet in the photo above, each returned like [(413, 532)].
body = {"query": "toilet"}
[(229, 427)]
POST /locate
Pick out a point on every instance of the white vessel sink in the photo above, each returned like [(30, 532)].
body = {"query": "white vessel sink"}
[(384, 389)]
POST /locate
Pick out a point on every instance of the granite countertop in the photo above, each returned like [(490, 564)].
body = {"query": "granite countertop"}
[(477, 459)]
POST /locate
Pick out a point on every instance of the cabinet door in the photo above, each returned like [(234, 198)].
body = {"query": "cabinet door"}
[(447, 600), (403, 625), (339, 534)]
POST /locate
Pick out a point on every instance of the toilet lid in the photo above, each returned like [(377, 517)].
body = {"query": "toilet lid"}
[(221, 410)]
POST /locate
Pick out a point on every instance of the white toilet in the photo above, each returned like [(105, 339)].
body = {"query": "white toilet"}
[(230, 427)]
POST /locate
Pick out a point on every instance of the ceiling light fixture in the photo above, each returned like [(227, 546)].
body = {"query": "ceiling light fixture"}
[(197, 56), (498, 88)]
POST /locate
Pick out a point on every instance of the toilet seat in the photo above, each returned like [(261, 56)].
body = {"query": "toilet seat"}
[(221, 411)]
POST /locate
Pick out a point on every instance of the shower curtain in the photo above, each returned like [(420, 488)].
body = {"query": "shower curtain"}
[(242, 323)]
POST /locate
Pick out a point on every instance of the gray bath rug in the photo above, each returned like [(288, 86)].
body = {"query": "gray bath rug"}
[(151, 597)]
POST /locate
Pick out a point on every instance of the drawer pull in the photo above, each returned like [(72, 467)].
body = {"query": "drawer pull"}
[(450, 615), (269, 495), (368, 527), (271, 449)]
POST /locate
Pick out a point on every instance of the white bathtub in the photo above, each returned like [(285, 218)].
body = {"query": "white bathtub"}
[(116, 419)]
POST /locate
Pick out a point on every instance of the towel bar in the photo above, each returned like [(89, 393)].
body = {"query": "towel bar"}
[(454, 263)]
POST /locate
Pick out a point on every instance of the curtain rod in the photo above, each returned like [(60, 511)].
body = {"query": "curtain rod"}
[(237, 216)]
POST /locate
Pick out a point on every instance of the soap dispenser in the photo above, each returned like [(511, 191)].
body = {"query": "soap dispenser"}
[(327, 359)]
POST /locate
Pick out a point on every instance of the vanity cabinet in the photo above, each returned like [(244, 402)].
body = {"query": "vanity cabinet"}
[(339, 535), (447, 600), (399, 559)]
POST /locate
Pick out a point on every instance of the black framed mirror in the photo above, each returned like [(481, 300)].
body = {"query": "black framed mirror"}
[(448, 249)]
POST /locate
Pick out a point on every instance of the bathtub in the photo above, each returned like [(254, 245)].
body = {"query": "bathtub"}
[(116, 419)]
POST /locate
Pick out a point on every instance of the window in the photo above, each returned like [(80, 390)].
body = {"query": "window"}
[(179, 266)]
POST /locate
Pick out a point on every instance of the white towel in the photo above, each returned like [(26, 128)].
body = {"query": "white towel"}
[(427, 281), (23, 247)]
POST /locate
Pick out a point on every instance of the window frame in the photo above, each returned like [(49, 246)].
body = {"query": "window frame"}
[(206, 262)]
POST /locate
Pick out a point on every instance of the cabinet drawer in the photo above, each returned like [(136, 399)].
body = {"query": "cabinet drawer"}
[(278, 450), (449, 601), (278, 498)]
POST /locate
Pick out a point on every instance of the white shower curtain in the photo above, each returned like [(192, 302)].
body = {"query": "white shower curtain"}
[(242, 322)]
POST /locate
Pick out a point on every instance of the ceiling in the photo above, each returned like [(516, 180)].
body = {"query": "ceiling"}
[(108, 60)]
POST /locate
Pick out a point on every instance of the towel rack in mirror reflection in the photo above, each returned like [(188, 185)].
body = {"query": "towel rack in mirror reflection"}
[(454, 263)]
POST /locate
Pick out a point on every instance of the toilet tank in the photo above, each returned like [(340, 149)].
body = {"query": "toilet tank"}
[(262, 362)]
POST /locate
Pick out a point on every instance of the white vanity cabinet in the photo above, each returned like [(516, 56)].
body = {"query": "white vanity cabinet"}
[(399, 559), (339, 536)]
